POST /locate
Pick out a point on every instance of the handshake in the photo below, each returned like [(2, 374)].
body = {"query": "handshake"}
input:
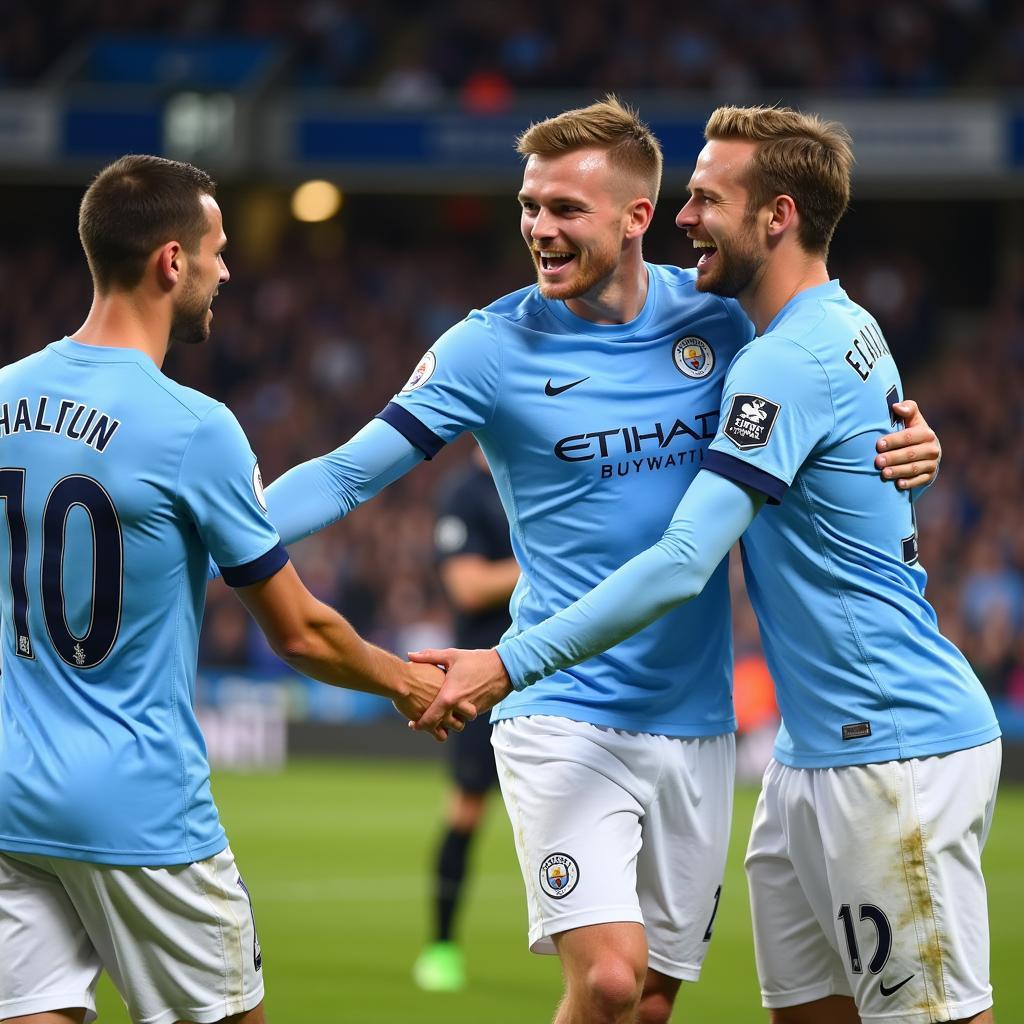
[(447, 688)]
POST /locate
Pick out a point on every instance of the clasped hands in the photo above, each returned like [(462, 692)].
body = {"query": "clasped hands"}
[(473, 682)]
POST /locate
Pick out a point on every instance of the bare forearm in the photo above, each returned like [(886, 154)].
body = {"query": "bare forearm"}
[(329, 649), (314, 639)]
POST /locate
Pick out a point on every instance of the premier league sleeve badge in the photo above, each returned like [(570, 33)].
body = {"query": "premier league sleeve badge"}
[(750, 421)]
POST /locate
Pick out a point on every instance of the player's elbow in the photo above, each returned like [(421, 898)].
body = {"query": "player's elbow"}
[(685, 573), (291, 643), (295, 647), (298, 641)]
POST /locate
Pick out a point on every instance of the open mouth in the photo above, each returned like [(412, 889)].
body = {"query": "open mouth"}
[(706, 249), (552, 261)]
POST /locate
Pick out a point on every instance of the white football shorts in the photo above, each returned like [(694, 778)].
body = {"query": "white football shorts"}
[(619, 826), (178, 942), (866, 881)]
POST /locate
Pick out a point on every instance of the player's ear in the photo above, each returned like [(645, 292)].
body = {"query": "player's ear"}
[(782, 215), (638, 216), (170, 263)]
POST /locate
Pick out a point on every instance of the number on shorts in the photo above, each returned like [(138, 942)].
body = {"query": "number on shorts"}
[(714, 914), (883, 947), (88, 650)]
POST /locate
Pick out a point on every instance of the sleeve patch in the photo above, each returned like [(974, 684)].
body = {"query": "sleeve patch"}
[(257, 487), (750, 421), (423, 372)]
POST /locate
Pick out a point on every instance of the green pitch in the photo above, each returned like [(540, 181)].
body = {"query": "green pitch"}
[(336, 855)]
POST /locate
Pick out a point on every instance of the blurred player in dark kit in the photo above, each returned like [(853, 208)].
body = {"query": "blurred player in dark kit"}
[(479, 573)]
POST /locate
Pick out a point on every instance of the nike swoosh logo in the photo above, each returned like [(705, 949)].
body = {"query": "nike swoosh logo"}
[(889, 991), (550, 390)]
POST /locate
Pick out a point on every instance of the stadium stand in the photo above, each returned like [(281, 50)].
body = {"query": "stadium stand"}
[(318, 328)]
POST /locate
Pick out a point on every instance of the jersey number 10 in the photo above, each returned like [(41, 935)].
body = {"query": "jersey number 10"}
[(88, 650)]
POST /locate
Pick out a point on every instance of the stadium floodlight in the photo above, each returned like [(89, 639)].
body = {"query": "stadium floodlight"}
[(315, 201)]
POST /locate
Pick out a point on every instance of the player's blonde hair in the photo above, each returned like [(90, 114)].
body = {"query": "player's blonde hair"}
[(799, 155), (609, 125)]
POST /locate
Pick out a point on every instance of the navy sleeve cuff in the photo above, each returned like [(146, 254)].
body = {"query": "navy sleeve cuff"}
[(259, 569), (411, 429), (746, 475)]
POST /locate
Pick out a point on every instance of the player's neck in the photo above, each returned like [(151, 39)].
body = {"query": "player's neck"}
[(119, 320), (779, 281), (618, 299)]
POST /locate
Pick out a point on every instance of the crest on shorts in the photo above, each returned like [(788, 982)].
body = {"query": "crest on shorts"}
[(423, 372), (693, 356), (559, 874)]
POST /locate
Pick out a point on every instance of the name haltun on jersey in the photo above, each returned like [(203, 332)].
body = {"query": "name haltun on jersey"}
[(58, 416), (118, 484)]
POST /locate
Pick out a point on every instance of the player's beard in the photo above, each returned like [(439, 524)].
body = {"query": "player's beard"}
[(591, 271), (735, 265), (190, 322)]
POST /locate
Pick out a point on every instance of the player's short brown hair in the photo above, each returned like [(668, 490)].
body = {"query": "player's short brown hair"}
[(609, 125), (799, 155), (135, 205)]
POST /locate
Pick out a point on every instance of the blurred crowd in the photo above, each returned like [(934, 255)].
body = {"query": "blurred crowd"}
[(307, 347), (415, 53)]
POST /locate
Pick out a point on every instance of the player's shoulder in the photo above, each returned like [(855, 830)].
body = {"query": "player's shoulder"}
[(481, 330), (517, 306), (29, 368), (823, 316), (188, 412), (195, 404)]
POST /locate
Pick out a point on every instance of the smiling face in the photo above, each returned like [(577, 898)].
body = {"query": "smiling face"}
[(574, 221), (718, 220), (205, 272)]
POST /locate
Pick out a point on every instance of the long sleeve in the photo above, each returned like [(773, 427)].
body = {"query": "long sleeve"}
[(712, 515), (317, 493)]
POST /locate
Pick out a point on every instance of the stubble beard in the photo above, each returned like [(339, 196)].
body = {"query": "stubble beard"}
[(733, 268), (588, 278), (190, 323)]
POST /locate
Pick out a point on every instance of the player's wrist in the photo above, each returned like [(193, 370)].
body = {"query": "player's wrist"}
[(402, 684), (506, 658), (387, 675)]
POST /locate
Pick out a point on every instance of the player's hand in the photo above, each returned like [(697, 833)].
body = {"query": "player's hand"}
[(424, 682), (474, 682), (911, 456)]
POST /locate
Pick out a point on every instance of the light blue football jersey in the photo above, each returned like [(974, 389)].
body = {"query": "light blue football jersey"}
[(861, 670), (593, 432), (117, 486)]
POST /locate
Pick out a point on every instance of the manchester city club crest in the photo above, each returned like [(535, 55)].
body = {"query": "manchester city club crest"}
[(559, 874), (693, 357), (423, 372)]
